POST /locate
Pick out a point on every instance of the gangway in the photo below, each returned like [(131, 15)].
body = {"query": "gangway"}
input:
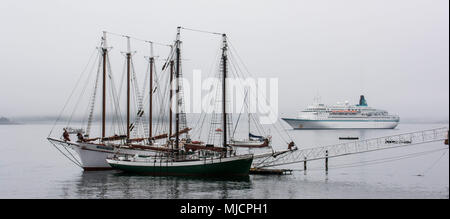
[(354, 147)]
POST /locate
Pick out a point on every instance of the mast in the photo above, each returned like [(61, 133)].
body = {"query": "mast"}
[(104, 54), (224, 77), (248, 112), (151, 93), (177, 113), (128, 55), (170, 95)]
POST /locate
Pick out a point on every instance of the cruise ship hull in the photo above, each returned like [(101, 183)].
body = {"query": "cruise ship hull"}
[(341, 124)]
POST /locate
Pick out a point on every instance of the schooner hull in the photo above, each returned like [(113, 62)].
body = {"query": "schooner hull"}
[(93, 160), (219, 167), (92, 157)]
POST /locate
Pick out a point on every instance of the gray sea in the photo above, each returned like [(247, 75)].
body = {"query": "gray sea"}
[(31, 168)]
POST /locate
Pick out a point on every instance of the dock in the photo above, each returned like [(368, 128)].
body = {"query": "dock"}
[(349, 148), (262, 171)]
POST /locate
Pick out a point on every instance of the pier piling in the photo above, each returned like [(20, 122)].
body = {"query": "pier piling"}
[(304, 165)]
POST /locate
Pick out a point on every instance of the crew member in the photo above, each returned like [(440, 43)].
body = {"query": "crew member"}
[(66, 135), (80, 137), (291, 145)]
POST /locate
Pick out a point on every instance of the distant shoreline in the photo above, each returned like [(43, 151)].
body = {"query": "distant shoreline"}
[(6, 121)]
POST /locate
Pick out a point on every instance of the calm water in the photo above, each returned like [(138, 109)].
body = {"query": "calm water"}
[(31, 168)]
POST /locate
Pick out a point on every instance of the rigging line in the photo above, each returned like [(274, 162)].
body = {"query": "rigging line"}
[(95, 85), (237, 55), (124, 69), (112, 106), (169, 57), (235, 74), (202, 118), (115, 99), (76, 163), (94, 93), (81, 95), (429, 168), (91, 104), (201, 31), (144, 86), (161, 97), (72, 155), (134, 95), (257, 125), (240, 113), (73, 91), (211, 67), (140, 103), (162, 125), (138, 39), (162, 92), (259, 128), (212, 125)]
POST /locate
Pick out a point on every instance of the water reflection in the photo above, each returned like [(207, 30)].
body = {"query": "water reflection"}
[(108, 184), (62, 180)]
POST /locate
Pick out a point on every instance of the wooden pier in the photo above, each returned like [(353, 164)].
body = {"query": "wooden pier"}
[(349, 148)]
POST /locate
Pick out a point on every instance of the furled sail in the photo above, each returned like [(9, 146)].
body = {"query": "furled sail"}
[(255, 137)]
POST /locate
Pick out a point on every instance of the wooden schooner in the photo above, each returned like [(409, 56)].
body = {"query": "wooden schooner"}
[(189, 157), (91, 153), (153, 146)]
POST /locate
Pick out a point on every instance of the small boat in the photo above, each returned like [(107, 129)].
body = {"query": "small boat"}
[(348, 138)]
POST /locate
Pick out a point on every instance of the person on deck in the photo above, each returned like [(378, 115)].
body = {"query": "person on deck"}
[(66, 135), (291, 145), (80, 137)]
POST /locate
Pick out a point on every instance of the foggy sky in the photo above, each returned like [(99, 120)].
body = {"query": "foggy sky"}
[(394, 52)]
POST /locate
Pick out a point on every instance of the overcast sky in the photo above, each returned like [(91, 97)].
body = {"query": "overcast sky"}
[(395, 52)]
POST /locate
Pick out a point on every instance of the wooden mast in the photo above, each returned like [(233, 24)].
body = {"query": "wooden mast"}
[(177, 113), (170, 95), (248, 112), (104, 54), (150, 122), (128, 55), (224, 77)]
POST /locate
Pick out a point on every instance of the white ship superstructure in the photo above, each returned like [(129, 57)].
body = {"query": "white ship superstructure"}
[(343, 116)]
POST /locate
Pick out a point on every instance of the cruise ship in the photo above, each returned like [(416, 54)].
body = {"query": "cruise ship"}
[(343, 116)]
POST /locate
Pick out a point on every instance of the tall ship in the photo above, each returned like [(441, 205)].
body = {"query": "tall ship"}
[(152, 136), (221, 153), (343, 116)]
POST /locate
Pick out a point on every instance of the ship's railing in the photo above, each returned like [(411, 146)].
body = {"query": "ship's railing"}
[(354, 147)]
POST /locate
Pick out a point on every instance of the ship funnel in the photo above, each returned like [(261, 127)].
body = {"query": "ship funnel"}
[(362, 101)]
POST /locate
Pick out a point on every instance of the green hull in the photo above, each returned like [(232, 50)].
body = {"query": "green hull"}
[(233, 167)]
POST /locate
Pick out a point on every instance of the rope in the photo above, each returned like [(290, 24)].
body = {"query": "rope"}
[(73, 161), (429, 168), (72, 92), (138, 39), (80, 97), (201, 31)]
